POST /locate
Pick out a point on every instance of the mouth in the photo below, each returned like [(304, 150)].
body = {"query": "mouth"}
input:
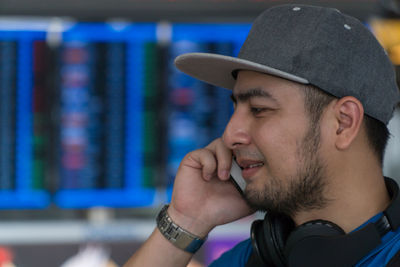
[(248, 164), (253, 165), (249, 167)]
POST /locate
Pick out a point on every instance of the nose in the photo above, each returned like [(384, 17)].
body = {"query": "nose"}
[(237, 131)]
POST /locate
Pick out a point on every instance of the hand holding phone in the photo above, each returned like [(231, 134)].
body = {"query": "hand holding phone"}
[(237, 178)]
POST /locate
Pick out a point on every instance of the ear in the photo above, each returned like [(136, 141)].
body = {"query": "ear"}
[(349, 114)]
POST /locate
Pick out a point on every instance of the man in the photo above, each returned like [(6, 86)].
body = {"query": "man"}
[(313, 92)]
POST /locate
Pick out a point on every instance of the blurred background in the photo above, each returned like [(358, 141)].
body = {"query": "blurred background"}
[(94, 117)]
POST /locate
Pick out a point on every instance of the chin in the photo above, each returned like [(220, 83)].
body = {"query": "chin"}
[(255, 199)]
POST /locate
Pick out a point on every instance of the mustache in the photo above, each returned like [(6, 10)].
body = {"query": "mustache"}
[(249, 154)]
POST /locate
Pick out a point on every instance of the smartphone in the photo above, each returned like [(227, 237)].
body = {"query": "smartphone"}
[(237, 178)]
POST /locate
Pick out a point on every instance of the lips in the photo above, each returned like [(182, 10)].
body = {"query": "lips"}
[(246, 163), (249, 167), (254, 165)]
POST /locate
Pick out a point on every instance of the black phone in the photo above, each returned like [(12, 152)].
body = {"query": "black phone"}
[(237, 178)]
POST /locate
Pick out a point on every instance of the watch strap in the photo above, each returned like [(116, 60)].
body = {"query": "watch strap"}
[(178, 236)]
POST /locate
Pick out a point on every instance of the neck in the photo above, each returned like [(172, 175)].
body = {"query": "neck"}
[(356, 194)]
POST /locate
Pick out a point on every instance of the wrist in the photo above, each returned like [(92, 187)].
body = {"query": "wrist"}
[(193, 225), (175, 234)]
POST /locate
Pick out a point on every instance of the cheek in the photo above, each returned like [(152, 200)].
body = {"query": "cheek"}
[(279, 145)]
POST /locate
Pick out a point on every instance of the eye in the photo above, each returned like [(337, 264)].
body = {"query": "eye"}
[(256, 111)]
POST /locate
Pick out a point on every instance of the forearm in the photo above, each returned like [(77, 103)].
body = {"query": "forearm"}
[(158, 251)]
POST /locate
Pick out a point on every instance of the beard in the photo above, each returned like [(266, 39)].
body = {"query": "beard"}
[(305, 189)]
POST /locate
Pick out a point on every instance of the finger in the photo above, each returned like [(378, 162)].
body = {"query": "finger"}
[(224, 160), (204, 160)]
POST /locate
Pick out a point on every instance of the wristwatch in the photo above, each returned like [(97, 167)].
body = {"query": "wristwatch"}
[(176, 235)]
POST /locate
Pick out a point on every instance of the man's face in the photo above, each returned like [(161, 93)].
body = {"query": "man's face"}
[(275, 144)]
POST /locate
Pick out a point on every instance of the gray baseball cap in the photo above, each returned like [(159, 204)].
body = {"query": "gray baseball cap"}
[(309, 45)]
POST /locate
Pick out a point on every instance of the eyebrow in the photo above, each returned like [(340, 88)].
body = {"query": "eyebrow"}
[(254, 92)]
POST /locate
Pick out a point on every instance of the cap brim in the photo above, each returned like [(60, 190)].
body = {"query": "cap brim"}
[(218, 69)]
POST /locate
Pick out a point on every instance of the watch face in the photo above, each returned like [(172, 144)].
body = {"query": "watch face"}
[(164, 224), (175, 234), (163, 220)]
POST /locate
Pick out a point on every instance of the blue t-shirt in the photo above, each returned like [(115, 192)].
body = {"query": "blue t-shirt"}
[(380, 256)]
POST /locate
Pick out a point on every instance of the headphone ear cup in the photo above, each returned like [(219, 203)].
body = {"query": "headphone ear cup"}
[(277, 229), (306, 232), (258, 242), (269, 238)]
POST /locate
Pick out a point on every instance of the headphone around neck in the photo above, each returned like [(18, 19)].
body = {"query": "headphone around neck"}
[(277, 242)]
